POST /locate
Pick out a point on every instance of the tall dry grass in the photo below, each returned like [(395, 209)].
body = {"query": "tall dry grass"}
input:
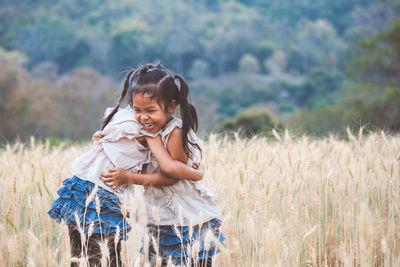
[(286, 202)]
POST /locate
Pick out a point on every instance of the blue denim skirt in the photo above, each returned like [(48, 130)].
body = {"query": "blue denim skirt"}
[(71, 206), (183, 246)]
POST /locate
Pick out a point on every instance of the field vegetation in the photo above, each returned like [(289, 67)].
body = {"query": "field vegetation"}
[(286, 201)]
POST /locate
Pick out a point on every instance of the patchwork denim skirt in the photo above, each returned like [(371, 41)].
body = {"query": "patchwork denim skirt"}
[(72, 207), (183, 245)]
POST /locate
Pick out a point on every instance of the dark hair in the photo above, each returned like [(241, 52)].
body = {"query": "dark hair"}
[(108, 117), (162, 84)]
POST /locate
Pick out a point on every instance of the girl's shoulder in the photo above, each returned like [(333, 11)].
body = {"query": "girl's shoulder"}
[(122, 114), (174, 128), (122, 125), (168, 128), (171, 125), (176, 124)]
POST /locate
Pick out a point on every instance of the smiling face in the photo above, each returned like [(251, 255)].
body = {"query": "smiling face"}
[(149, 113)]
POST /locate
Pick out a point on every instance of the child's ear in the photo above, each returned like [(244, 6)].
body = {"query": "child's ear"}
[(172, 106)]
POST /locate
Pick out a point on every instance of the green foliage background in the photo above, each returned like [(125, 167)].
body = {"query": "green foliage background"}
[(314, 66)]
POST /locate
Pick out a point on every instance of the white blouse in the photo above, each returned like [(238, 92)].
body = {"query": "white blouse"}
[(185, 202), (118, 148)]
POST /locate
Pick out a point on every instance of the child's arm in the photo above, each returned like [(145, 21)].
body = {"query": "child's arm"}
[(117, 177), (171, 162)]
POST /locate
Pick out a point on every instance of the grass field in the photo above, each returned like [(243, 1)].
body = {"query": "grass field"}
[(286, 202)]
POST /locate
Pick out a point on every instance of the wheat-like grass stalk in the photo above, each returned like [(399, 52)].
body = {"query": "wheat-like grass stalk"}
[(105, 252), (286, 202)]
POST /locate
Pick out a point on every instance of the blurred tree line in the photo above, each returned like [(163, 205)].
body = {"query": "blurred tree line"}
[(70, 106), (372, 99), (288, 58)]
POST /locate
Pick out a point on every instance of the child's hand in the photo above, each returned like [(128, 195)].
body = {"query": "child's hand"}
[(114, 178), (198, 166), (97, 136), (195, 165)]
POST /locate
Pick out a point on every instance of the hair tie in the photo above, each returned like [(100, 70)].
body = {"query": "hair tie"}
[(177, 83), (151, 67), (130, 79)]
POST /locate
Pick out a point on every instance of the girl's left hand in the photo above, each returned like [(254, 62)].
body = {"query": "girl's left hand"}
[(97, 136), (198, 166), (114, 178), (195, 165)]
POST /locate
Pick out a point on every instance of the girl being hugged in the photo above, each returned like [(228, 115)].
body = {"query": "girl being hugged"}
[(182, 215), (92, 208)]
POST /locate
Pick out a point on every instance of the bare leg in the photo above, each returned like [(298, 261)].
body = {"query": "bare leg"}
[(205, 262), (75, 242), (94, 250)]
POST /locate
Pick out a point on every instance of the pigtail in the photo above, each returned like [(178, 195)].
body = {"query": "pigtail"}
[(188, 114), (127, 84)]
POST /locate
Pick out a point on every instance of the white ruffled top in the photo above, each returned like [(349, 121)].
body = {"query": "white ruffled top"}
[(186, 202), (118, 148)]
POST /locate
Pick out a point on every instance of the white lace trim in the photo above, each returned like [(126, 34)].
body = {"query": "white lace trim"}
[(205, 193), (118, 134), (171, 125)]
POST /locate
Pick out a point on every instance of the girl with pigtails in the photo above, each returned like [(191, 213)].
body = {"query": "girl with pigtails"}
[(182, 215), (92, 208)]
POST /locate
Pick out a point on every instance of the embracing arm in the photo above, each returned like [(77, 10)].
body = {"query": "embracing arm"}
[(117, 177), (172, 161), (170, 164)]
